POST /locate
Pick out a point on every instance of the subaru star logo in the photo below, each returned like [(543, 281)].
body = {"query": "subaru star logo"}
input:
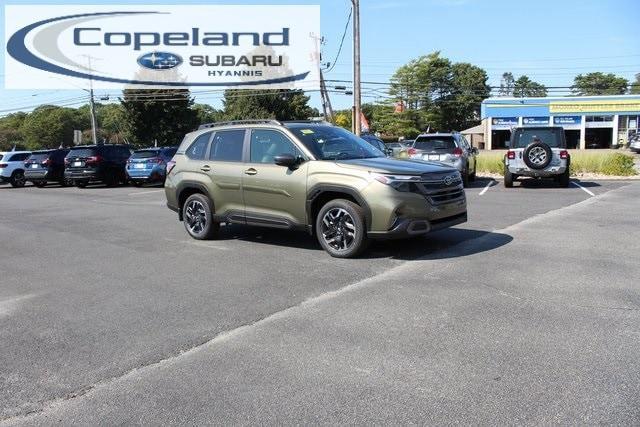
[(160, 60)]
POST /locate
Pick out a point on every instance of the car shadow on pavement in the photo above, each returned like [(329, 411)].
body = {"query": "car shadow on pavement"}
[(548, 183), (450, 243), (481, 182)]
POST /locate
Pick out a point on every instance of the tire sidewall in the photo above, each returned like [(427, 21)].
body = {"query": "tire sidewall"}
[(17, 179), (359, 222), (211, 228)]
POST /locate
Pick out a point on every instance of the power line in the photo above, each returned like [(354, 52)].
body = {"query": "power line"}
[(344, 34)]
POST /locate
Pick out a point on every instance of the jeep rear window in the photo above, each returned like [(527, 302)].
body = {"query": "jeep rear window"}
[(82, 152), (523, 137), (435, 143)]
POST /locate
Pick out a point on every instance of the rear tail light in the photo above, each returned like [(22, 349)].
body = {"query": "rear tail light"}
[(93, 160), (511, 155), (412, 151), (67, 162), (564, 154), (157, 160), (457, 152), (3, 165), (170, 165), (47, 162)]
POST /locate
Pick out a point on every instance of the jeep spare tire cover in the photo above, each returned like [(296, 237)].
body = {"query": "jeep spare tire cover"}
[(537, 155)]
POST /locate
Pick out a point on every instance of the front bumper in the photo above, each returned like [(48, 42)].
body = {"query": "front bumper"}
[(408, 227)]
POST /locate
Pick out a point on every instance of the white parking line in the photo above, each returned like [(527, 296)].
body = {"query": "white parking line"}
[(484, 190), (582, 188), (144, 192)]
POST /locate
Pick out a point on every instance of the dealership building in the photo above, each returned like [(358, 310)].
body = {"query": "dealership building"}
[(589, 122)]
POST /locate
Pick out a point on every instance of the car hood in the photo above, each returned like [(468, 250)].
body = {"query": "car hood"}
[(396, 166)]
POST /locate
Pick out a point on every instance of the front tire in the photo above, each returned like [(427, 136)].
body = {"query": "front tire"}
[(340, 228), (197, 214)]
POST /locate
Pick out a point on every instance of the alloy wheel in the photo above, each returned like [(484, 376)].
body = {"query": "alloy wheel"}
[(338, 229), (537, 155), (195, 216)]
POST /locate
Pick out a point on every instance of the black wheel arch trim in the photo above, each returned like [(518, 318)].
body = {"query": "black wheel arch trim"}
[(317, 190), (186, 185)]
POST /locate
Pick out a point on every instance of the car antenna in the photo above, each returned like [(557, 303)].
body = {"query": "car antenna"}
[(14, 148)]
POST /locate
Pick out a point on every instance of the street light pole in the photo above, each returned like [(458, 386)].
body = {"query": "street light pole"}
[(92, 107), (357, 97)]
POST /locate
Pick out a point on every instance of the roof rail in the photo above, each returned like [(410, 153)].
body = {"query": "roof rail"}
[(240, 122)]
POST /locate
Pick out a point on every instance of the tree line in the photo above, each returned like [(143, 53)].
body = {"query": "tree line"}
[(428, 93)]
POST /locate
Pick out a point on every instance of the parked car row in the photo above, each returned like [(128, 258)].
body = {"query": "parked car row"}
[(110, 164)]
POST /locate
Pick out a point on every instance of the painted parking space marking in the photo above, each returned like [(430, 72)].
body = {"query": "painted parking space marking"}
[(144, 192), (486, 188), (583, 189)]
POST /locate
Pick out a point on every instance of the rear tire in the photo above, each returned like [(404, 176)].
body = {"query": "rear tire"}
[(472, 177), (340, 228), (197, 214), (40, 184), (508, 178), (564, 179), (17, 179)]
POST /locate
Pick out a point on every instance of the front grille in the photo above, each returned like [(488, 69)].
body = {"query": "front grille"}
[(445, 196)]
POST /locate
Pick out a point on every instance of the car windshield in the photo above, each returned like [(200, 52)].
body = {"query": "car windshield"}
[(435, 143), (334, 143), (523, 137), (145, 154), (82, 152)]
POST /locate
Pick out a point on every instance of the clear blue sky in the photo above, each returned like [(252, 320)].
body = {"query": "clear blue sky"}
[(549, 40)]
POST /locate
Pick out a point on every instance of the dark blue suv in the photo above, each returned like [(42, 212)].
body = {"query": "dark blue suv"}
[(149, 165)]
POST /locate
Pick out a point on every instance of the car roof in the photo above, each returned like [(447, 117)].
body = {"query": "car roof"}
[(436, 134), (4, 153), (538, 127)]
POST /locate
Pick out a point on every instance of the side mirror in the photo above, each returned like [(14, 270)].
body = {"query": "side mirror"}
[(475, 150), (288, 160)]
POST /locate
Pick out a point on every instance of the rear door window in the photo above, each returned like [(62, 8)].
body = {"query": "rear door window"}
[(19, 157), (227, 146)]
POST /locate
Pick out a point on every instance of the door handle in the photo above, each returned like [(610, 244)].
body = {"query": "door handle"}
[(251, 171), (206, 168)]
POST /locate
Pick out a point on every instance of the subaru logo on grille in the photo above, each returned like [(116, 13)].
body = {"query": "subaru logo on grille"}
[(450, 179), (160, 60)]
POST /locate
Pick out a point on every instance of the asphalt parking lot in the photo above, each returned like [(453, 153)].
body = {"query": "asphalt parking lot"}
[(527, 314)]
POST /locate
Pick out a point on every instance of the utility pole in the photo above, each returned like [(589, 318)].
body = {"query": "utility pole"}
[(327, 109), (92, 106), (357, 97)]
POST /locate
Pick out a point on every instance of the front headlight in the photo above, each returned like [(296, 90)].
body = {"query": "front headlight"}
[(399, 182)]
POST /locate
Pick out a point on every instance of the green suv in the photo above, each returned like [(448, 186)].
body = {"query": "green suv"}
[(310, 176)]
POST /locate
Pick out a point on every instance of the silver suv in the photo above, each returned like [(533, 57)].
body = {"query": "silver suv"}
[(452, 149), (537, 152)]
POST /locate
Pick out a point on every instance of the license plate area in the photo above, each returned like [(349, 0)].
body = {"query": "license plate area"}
[(434, 156), (77, 164), (139, 166)]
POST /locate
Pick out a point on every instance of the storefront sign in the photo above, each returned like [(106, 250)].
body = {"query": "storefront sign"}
[(535, 121), (504, 122), (598, 106), (567, 120), (221, 46)]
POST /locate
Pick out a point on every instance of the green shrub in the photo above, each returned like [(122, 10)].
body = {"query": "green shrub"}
[(618, 164), (489, 162), (597, 162)]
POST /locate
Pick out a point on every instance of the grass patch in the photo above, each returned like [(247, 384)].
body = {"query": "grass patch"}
[(600, 163)]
